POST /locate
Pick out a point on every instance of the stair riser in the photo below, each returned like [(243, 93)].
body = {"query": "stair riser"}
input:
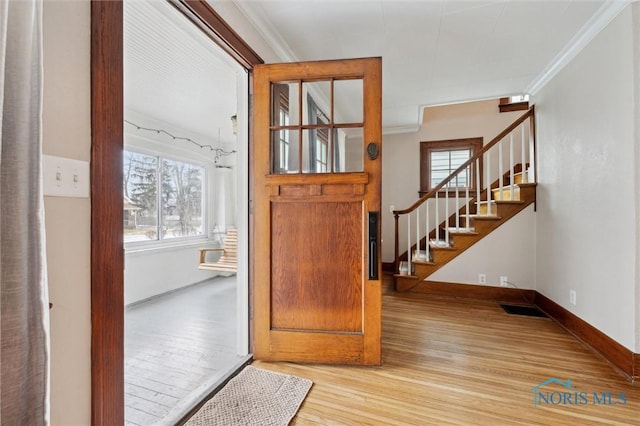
[(506, 194), (444, 256), (506, 210), (484, 226), (483, 209)]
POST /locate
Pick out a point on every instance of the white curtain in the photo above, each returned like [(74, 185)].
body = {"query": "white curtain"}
[(24, 310)]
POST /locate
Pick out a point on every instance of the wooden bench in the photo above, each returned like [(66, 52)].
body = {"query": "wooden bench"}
[(228, 260)]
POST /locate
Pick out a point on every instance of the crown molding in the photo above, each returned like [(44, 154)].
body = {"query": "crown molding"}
[(267, 30), (397, 130), (591, 28)]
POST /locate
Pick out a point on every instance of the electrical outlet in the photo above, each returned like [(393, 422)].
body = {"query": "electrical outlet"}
[(504, 281), (482, 278), (572, 297), (392, 208)]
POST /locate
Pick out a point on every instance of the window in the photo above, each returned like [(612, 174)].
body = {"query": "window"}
[(309, 133), (438, 159), (163, 198), (285, 140), (283, 145), (322, 151), (319, 138)]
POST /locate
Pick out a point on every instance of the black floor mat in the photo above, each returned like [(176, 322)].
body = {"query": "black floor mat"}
[(530, 311)]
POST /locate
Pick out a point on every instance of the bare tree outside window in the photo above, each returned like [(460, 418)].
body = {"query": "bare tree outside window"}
[(181, 199), (163, 198)]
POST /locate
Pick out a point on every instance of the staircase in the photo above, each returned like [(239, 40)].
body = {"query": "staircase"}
[(477, 211)]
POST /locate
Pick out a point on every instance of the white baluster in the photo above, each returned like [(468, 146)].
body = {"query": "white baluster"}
[(500, 169), (446, 214), (478, 189), (426, 231), (409, 244), (532, 154), (417, 231), (525, 178), (437, 220), (466, 195), (511, 165), (488, 183), (457, 205)]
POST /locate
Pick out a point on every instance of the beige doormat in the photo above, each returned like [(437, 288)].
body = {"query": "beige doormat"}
[(255, 397)]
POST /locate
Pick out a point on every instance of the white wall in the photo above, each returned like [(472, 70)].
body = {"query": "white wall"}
[(586, 227), (636, 102), (161, 267), (152, 272), (67, 133), (401, 165), (508, 251)]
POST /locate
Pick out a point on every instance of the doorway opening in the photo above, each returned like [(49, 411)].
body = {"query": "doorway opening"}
[(184, 190)]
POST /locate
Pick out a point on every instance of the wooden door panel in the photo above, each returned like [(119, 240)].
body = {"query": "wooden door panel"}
[(315, 299), (316, 284), (319, 348)]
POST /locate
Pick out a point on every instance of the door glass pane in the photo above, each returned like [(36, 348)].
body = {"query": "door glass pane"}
[(348, 101), (285, 104), (316, 150), (348, 153), (285, 148), (316, 102)]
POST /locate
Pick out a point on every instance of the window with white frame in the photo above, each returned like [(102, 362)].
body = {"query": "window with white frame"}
[(163, 198)]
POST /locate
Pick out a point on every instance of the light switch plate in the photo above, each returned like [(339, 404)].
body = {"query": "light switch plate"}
[(65, 177)]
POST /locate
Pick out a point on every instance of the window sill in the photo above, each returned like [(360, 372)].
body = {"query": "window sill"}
[(165, 246)]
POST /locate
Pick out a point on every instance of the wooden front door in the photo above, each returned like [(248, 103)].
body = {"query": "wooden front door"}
[(316, 188)]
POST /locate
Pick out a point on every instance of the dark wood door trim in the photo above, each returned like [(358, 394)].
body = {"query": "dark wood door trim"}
[(203, 15), (107, 255)]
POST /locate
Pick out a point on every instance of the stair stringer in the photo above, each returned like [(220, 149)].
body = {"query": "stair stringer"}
[(483, 225)]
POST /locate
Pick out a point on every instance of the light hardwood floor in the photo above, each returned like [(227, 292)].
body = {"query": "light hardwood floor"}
[(177, 347), (461, 362)]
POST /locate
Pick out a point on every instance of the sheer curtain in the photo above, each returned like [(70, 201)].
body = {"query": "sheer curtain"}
[(24, 314)]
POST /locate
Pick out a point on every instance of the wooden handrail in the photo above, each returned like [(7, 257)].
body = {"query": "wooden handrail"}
[(396, 213), (505, 132)]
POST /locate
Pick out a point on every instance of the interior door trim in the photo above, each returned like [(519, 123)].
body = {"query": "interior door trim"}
[(107, 138)]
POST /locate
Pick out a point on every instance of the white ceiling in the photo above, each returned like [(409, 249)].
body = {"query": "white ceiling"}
[(434, 52), (176, 76)]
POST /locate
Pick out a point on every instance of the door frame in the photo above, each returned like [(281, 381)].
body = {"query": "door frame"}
[(107, 144)]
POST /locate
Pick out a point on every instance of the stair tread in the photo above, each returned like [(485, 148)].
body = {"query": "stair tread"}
[(435, 246), (422, 262), (413, 277), (485, 217), (459, 233), (510, 201)]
